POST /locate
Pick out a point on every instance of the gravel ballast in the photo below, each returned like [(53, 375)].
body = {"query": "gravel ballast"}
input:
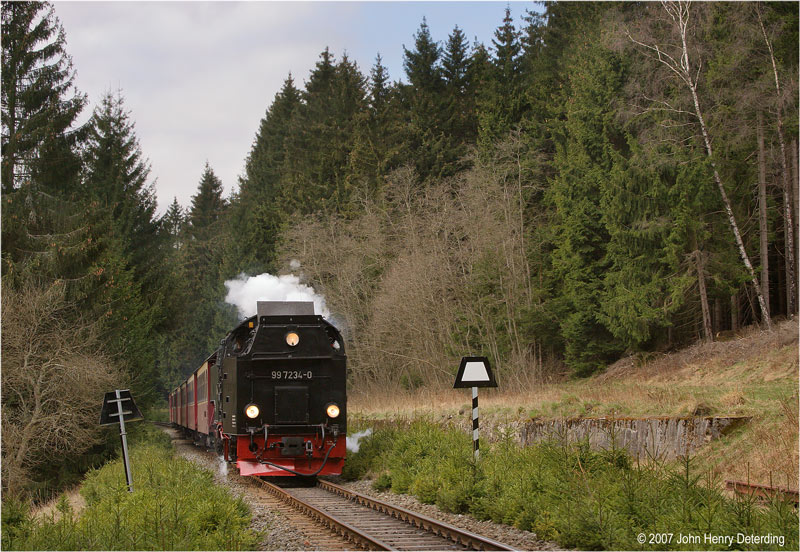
[(521, 540), (279, 533)]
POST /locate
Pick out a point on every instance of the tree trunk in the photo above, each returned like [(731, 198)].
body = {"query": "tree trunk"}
[(678, 12), (732, 219), (762, 211), (708, 333), (735, 311), (795, 185), (788, 225), (692, 84), (781, 272)]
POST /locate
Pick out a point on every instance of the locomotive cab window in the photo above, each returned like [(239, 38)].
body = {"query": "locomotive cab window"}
[(241, 338), (335, 339)]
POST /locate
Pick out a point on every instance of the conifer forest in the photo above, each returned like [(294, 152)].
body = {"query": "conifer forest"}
[(600, 179)]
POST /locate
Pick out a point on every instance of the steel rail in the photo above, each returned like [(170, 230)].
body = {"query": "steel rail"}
[(340, 527), (764, 492), (459, 536)]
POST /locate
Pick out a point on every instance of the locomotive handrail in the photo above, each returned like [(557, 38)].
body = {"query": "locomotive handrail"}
[(262, 356)]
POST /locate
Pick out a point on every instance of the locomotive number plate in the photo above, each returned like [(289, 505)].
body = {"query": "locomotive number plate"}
[(291, 374)]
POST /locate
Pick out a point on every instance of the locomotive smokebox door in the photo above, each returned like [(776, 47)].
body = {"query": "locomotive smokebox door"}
[(291, 404)]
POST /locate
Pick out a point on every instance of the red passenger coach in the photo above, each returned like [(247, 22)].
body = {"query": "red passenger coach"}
[(195, 401), (183, 418), (205, 401)]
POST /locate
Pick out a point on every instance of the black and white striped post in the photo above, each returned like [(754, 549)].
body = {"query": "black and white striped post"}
[(476, 447), (475, 372)]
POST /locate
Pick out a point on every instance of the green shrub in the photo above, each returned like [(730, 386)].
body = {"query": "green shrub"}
[(383, 482), (16, 521), (579, 497), (359, 465), (175, 506)]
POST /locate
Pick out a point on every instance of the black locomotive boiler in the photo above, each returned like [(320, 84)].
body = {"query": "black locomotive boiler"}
[(273, 397)]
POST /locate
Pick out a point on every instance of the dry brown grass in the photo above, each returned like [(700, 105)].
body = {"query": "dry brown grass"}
[(719, 375), (755, 374), (50, 508)]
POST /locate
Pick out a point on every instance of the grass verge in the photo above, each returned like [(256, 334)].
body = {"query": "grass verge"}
[(578, 497), (754, 375), (175, 506)]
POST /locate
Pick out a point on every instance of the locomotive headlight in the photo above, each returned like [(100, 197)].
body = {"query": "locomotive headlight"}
[(251, 411), (332, 410), (292, 339)]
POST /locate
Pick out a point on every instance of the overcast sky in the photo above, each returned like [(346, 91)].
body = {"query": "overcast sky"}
[(198, 77)]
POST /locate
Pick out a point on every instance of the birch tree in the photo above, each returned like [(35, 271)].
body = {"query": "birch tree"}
[(674, 53)]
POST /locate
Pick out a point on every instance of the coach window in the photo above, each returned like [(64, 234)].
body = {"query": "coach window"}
[(201, 389)]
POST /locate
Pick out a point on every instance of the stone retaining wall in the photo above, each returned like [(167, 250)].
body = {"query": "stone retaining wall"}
[(665, 438)]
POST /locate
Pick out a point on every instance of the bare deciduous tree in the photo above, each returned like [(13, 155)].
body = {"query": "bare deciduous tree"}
[(53, 379), (426, 274)]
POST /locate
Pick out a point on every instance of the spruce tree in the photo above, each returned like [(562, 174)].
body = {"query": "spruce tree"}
[(257, 205), (379, 86), (123, 202), (206, 240), (501, 103), (459, 122), (39, 103), (116, 179), (207, 207), (589, 152), (377, 143), (426, 102), (421, 64), (263, 168), (173, 221), (321, 137)]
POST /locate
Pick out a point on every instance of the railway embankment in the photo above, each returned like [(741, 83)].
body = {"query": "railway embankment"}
[(580, 461), (567, 492), (174, 506), (731, 404)]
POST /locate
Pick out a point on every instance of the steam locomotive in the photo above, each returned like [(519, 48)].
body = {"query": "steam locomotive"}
[(272, 398)]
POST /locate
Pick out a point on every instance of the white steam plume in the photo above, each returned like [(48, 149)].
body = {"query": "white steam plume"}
[(352, 441), (244, 292)]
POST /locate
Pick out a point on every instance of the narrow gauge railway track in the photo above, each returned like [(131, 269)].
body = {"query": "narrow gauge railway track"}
[(335, 518), (375, 525)]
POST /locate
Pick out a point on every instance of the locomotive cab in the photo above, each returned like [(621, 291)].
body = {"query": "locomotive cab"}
[(282, 392)]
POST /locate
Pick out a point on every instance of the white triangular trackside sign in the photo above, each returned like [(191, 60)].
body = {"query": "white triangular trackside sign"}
[(474, 372)]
